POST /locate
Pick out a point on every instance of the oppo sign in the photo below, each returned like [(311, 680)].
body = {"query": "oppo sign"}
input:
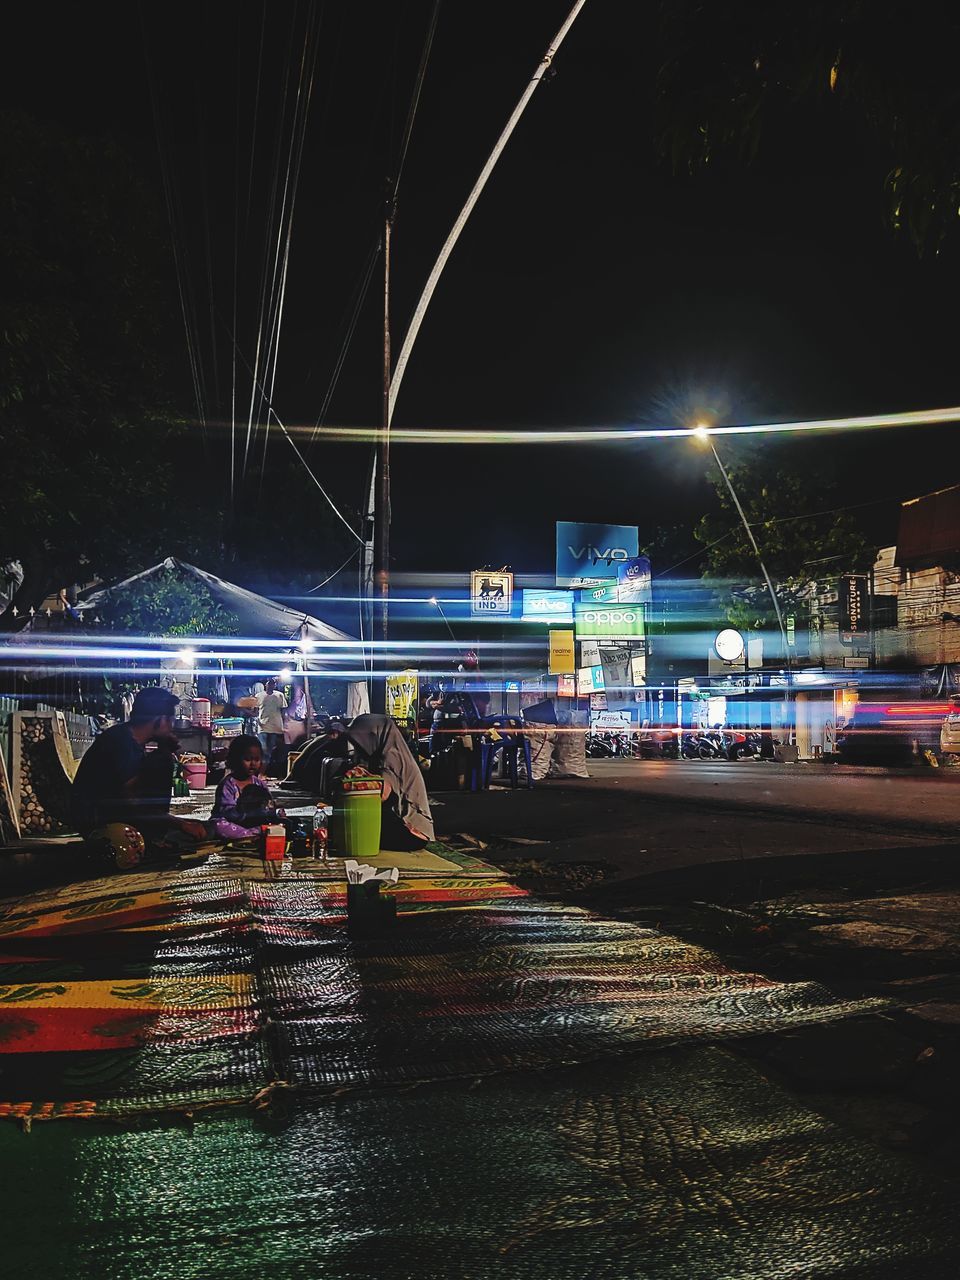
[(608, 622)]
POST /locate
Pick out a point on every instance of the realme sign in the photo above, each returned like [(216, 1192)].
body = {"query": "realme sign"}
[(562, 654), (608, 621)]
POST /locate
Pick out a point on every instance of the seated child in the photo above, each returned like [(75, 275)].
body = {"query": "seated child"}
[(243, 803)]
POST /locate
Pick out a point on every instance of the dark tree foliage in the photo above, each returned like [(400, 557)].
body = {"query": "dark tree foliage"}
[(106, 469), (733, 73), (170, 604), (800, 527), (91, 451)]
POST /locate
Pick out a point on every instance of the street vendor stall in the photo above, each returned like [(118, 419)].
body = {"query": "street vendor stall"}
[(129, 635)]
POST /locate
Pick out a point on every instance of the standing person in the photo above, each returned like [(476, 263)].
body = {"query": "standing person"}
[(295, 717), (272, 705), (119, 781)]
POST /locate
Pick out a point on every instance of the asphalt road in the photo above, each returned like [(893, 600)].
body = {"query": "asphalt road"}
[(641, 817), (644, 817), (912, 799)]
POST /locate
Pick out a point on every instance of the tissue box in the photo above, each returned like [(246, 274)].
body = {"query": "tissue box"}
[(274, 842), (368, 914)]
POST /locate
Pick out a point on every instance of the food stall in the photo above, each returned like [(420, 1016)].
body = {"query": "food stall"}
[(211, 676)]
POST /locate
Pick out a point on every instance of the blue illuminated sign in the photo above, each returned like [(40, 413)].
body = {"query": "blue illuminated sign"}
[(593, 552), (547, 606), (634, 580)]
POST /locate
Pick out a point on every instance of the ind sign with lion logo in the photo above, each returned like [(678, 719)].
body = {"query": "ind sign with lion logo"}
[(491, 593)]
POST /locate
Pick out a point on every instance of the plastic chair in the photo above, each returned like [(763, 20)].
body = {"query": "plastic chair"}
[(510, 744)]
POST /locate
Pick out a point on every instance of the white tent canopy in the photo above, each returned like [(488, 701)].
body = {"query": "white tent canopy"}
[(260, 618)]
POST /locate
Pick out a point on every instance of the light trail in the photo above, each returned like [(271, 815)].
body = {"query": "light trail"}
[(32, 652), (620, 434)]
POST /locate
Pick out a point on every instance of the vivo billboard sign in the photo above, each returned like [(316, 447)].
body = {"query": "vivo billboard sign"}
[(592, 552), (547, 606)]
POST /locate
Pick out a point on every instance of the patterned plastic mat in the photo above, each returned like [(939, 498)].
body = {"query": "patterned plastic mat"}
[(234, 981)]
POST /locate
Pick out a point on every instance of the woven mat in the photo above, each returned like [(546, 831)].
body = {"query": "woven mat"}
[(173, 991), (685, 1165)]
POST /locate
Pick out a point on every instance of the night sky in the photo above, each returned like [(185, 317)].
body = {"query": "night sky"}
[(592, 286)]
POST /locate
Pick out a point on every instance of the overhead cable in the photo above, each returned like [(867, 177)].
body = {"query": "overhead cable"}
[(330, 577), (415, 99), (293, 445)]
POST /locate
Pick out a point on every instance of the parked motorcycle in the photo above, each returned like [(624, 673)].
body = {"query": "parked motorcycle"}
[(742, 744), (656, 744), (609, 745), (715, 738), (697, 746), (598, 748)]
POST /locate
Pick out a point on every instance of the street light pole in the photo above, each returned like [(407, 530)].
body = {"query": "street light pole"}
[(703, 434), (436, 603), (381, 533)]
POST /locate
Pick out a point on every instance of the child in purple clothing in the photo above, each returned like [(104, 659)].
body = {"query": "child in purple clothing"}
[(243, 802)]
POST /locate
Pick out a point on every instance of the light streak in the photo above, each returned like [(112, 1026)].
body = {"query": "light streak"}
[(622, 434), (244, 650)]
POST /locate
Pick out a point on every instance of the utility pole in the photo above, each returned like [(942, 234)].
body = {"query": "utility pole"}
[(381, 532)]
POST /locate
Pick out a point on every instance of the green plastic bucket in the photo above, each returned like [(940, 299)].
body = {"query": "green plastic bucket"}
[(361, 815)]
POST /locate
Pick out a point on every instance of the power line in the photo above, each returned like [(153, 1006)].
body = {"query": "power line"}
[(330, 577), (695, 554), (290, 440), (415, 99)]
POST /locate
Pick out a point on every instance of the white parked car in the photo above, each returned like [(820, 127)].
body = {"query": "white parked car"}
[(950, 729)]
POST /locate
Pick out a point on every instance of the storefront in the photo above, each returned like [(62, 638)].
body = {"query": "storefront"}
[(824, 704)]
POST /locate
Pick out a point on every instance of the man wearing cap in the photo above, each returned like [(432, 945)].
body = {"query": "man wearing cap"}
[(119, 781)]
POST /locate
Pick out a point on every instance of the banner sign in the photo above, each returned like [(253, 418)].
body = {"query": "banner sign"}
[(562, 658), (634, 581), (403, 695), (547, 606), (566, 687), (611, 721), (589, 680), (609, 621), (491, 593), (617, 676), (854, 619), (590, 653), (590, 552), (600, 593)]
